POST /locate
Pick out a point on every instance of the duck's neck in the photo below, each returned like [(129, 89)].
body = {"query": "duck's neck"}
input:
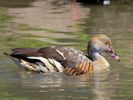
[(98, 60)]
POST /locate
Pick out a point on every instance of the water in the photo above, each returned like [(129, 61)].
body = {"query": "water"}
[(38, 23)]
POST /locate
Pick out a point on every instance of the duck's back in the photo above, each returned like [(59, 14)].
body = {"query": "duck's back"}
[(72, 57)]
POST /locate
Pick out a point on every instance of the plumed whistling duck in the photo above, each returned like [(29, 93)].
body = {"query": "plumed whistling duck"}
[(66, 59)]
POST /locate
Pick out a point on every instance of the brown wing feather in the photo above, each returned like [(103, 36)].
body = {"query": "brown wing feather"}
[(25, 52), (50, 52), (47, 52)]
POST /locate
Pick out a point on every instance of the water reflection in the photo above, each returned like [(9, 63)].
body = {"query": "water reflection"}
[(16, 3), (51, 22), (53, 80), (101, 86), (105, 85)]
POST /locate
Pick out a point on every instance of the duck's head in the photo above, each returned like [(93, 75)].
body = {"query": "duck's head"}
[(101, 43)]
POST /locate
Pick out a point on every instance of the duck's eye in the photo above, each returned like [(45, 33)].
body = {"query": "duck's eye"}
[(107, 43)]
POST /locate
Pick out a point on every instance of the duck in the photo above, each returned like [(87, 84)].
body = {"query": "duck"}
[(65, 59)]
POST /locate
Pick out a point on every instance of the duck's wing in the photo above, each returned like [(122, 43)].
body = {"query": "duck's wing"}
[(76, 62)]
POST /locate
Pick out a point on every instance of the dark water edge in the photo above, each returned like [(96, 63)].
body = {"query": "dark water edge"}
[(28, 23)]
